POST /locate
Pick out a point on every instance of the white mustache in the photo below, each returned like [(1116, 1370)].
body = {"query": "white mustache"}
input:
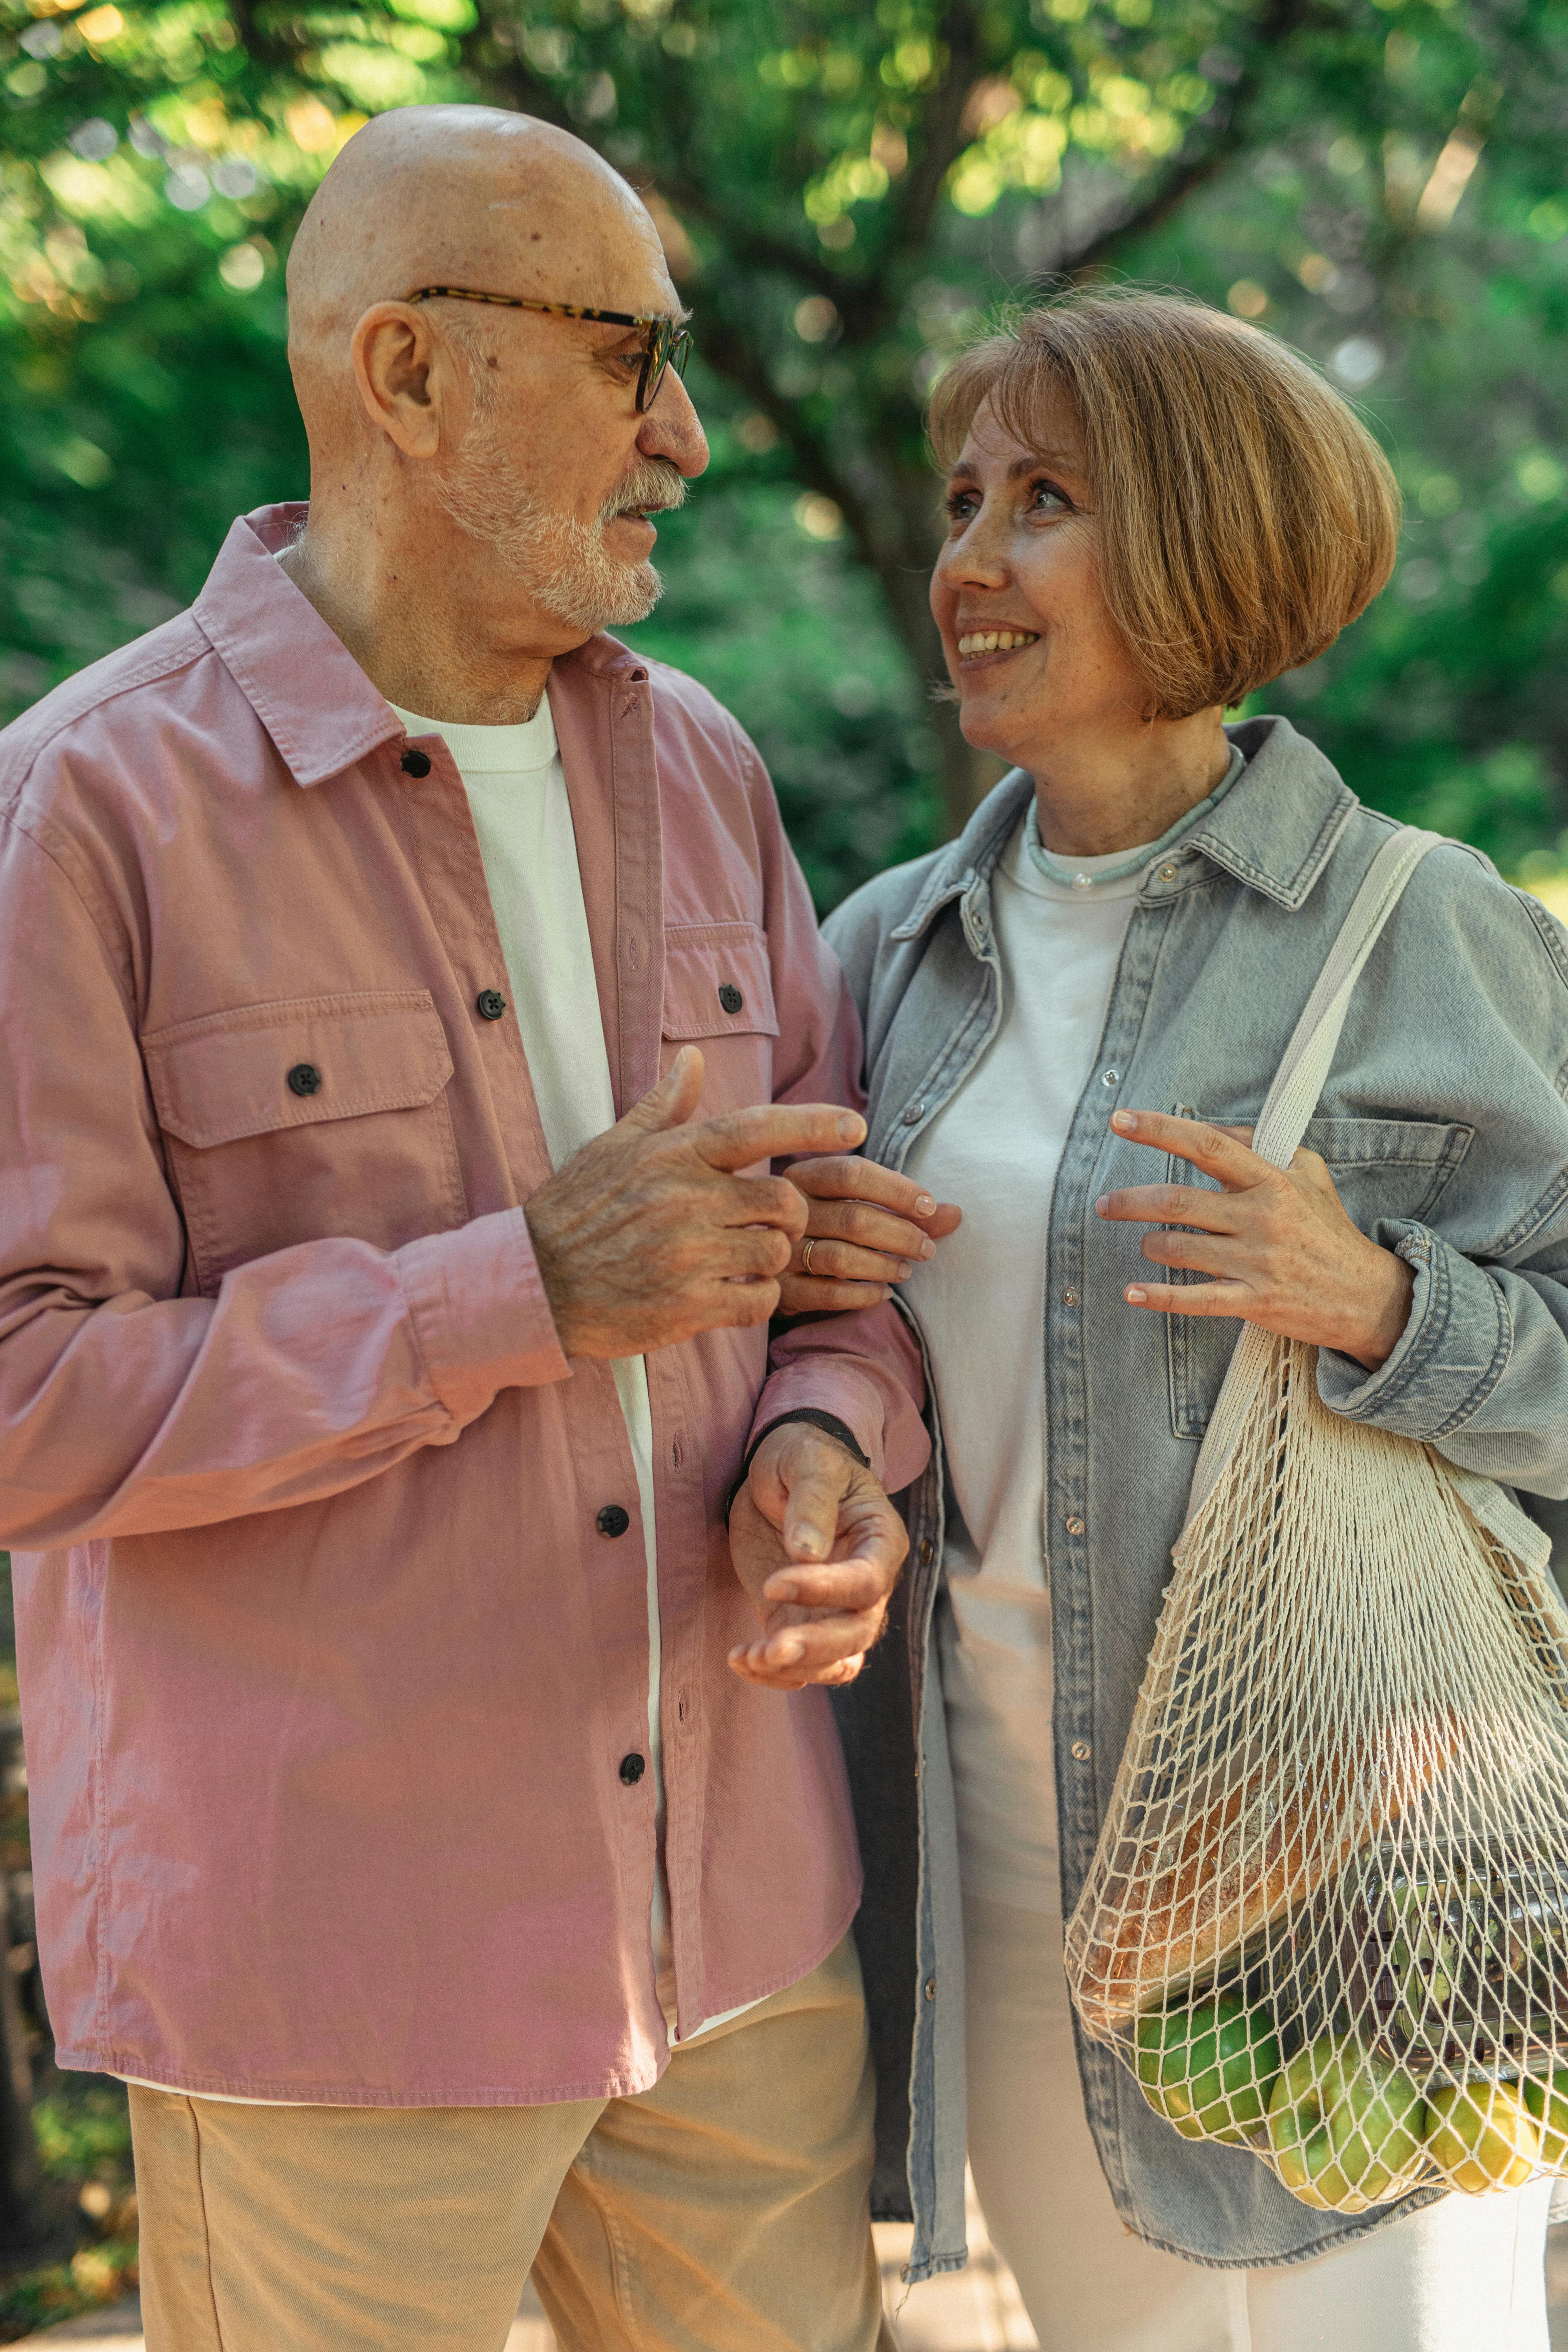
[(652, 489)]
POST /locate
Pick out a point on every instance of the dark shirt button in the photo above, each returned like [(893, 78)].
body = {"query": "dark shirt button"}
[(613, 1521), (415, 763), (489, 1003), (632, 1770), (304, 1078), (730, 998)]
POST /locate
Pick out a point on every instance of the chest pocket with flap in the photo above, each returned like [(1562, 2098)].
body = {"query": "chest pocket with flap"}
[(1381, 1168), (311, 1117), (718, 995)]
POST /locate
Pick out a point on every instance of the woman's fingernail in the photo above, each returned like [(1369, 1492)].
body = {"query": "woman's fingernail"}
[(924, 1204), (1126, 1121), (928, 1248), (1099, 1205), (850, 1129), (1134, 1297), (905, 1269)]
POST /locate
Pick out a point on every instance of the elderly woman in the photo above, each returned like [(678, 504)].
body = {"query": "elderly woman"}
[(1152, 510)]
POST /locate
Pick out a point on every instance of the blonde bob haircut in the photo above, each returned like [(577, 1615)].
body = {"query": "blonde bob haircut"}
[(1245, 513)]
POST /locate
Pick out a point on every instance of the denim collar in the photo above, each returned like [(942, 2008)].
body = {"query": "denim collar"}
[(1275, 830)]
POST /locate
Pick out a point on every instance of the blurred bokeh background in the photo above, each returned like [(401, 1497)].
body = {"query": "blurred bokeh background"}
[(844, 192)]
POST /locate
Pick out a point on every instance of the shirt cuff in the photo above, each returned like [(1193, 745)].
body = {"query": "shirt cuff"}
[(853, 1394), (1449, 1357), (477, 1302)]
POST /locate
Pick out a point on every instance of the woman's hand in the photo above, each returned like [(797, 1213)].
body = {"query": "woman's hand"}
[(866, 1229), (1280, 1244)]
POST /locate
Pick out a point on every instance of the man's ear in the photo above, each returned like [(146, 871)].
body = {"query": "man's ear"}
[(403, 372)]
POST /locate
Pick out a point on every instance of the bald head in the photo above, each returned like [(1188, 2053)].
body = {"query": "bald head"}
[(460, 195), (508, 461)]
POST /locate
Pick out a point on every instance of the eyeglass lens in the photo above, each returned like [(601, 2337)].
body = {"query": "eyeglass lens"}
[(667, 345)]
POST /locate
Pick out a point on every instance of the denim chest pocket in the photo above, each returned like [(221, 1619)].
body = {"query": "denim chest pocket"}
[(718, 996), (307, 1118), (1381, 1168)]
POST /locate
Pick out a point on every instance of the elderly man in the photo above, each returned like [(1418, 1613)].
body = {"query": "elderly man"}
[(371, 1393)]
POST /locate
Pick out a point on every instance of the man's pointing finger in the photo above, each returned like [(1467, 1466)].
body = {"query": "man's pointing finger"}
[(774, 1131)]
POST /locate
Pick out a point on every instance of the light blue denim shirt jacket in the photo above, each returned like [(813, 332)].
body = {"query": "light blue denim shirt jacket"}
[(1445, 1125)]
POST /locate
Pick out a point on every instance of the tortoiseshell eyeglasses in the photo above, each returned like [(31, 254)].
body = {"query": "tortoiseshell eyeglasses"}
[(668, 342)]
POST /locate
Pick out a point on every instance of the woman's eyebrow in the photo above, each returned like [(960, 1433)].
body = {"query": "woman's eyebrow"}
[(1062, 460)]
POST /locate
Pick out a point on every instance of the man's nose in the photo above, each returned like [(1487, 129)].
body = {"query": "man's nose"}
[(672, 429)]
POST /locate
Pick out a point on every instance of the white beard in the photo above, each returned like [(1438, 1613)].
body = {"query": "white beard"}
[(563, 563)]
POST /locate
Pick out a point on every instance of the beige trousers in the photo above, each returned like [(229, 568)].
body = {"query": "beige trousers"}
[(1463, 2276), (724, 2210)]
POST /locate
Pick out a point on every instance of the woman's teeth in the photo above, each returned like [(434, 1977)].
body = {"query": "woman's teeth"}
[(996, 641)]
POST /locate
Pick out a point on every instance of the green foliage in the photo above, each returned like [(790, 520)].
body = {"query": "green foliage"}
[(83, 2130), (844, 194), (851, 754)]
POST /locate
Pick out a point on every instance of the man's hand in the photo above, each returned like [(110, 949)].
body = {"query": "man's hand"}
[(818, 1547), (866, 1229), (646, 1236), (1279, 1242)]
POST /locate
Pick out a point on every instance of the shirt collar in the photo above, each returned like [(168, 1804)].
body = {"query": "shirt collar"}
[(1274, 830), (301, 681), (1276, 827)]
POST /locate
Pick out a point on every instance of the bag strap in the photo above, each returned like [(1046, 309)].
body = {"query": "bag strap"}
[(1297, 1085), (1308, 1057)]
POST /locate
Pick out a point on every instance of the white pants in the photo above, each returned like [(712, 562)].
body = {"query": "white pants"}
[(1463, 2276)]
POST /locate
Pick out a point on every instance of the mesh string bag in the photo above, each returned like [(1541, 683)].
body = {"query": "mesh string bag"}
[(1327, 1919)]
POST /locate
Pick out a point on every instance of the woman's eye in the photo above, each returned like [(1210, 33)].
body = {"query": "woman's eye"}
[(1045, 498), (961, 507)]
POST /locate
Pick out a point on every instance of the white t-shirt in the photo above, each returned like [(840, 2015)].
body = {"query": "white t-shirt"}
[(517, 794), (994, 1148)]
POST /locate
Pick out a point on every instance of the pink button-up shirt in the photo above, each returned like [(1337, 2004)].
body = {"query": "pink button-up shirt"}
[(326, 1669)]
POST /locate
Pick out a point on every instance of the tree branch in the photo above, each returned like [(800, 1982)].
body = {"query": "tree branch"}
[(942, 130), (262, 48), (744, 244), (1204, 160)]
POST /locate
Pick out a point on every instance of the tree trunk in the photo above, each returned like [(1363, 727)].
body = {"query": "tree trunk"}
[(901, 560), (21, 2223)]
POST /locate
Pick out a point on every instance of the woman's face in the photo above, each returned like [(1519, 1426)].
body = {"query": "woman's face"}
[(1030, 646)]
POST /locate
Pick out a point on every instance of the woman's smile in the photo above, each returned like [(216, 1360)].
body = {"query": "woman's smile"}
[(978, 644)]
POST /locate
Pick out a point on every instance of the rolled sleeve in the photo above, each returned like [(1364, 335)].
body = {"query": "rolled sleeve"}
[(1452, 1353)]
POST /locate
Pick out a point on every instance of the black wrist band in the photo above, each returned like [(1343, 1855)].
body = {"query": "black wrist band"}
[(828, 1422)]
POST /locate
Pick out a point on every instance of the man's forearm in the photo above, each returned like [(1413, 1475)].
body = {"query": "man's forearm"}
[(311, 1370), (864, 1370)]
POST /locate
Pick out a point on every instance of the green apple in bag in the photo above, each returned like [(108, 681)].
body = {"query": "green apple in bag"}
[(1209, 2068), (1547, 2105), (1345, 2125), (1483, 2135)]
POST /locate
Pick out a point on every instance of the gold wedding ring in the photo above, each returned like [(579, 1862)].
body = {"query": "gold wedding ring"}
[(806, 1254)]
